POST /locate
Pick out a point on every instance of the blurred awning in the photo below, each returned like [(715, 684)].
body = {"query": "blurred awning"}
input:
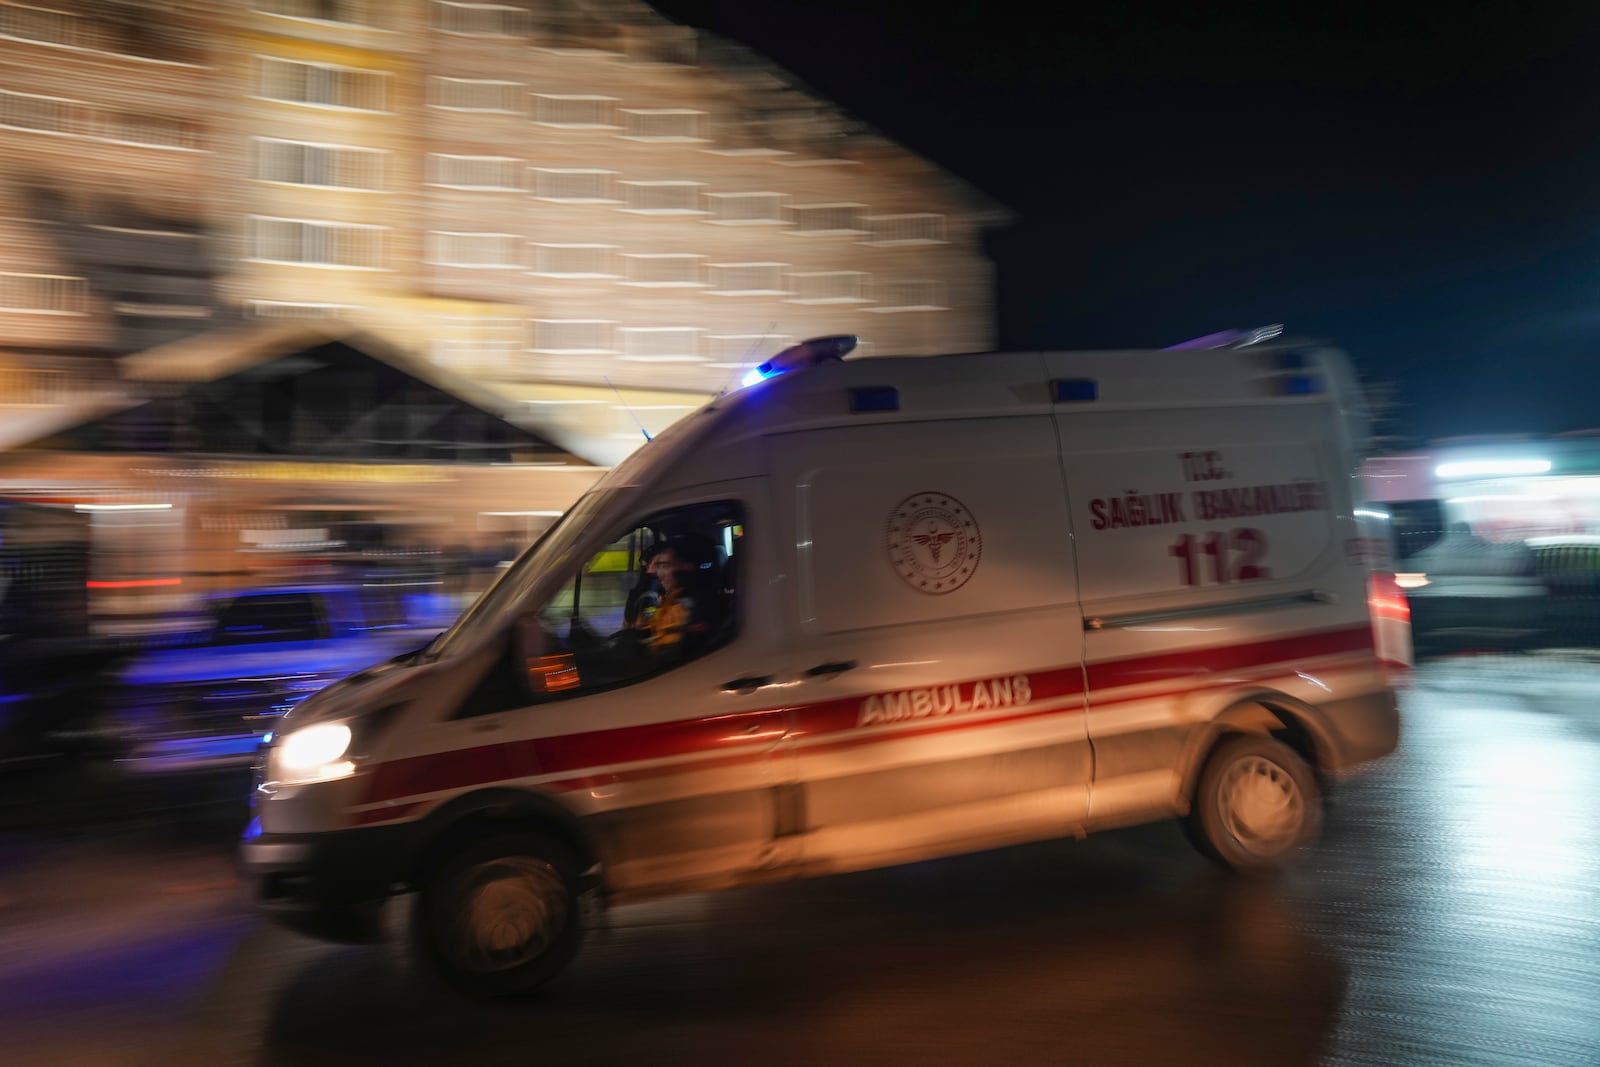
[(282, 348)]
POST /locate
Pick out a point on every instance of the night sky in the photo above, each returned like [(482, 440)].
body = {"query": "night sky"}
[(1418, 182)]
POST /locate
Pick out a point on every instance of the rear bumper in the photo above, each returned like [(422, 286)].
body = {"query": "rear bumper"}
[(1362, 729)]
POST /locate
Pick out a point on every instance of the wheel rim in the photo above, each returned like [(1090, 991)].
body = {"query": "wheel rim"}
[(1261, 805), (508, 912)]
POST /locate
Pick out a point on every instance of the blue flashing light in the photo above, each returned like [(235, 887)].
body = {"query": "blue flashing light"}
[(1076, 390), (266, 738), (760, 374), (253, 829), (875, 398)]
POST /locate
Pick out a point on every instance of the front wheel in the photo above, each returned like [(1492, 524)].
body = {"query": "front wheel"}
[(500, 916), (1256, 804)]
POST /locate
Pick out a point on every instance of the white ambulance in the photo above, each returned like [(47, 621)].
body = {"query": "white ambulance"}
[(859, 613)]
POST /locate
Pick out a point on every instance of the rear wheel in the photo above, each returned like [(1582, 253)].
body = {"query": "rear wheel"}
[(501, 915), (1256, 804)]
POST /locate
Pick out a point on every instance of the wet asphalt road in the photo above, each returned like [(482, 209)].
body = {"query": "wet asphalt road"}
[(1451, 915)]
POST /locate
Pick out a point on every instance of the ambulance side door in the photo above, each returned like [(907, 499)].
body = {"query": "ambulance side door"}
[(938, 698), (1211, 562)]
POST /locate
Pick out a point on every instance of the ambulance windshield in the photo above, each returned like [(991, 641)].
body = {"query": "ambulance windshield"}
[(502, 599)]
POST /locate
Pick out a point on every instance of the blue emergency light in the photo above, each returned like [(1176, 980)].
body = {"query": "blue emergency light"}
[(1075, 390), (760, 374)]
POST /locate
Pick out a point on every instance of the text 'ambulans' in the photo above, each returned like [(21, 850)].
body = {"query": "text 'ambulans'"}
[(945, 699)]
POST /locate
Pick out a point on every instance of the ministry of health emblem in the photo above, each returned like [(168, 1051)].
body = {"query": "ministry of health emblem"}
[(933, 542)]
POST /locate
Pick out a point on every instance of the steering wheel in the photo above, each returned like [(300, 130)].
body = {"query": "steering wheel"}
[(581, 636), (627, 639)]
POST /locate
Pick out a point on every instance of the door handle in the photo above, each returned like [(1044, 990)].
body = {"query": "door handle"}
[(838, 667), (745, 685)]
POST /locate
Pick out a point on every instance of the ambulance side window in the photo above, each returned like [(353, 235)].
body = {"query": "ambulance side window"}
[(656, 596)]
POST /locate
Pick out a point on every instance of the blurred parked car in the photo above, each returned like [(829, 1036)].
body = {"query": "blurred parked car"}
[(1476, 595), (205, 701), (1569, 567)]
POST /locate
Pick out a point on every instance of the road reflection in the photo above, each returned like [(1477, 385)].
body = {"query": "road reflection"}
[(1461, 879), (1123, 949), (1447, 916)]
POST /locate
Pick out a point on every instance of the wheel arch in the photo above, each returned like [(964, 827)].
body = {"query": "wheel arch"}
[(1265, 712), (496, 810)]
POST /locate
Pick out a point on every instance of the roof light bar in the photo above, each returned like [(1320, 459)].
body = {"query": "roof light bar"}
[(805, 354), (1232, 338)]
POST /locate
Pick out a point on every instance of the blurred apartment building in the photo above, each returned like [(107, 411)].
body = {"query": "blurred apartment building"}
[(570, 215)]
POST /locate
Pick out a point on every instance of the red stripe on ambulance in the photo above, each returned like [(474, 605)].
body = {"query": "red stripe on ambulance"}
[(729, 739)]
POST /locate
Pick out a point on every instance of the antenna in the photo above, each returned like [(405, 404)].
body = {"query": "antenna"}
[(628, 409)]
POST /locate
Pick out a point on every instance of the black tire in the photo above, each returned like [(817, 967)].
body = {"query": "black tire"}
[(1256, 804), (500, 916)]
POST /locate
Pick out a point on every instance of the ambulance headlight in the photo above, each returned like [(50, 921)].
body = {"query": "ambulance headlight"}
[(314, 753)]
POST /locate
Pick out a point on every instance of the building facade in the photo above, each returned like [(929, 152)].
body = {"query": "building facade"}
[(600, 215), (571, 219)]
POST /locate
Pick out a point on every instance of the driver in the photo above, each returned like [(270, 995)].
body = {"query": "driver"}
[(675, 619)]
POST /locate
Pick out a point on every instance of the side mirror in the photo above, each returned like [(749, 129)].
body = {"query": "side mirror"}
[(552, 674), (547, 671)]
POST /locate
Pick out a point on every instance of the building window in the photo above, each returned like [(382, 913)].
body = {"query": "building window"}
[(473, 249), (829, 287), (740, 350), (747, 279), (663, 198), (331, 244), (664, 270), (475, 172), (745, 208), (821, 219), (356, 12), (574, 337), (910, 294), (43, 294), (51, 27), (158, 131), (482, 20), (919, 228), (75, 118), (582, 112), (574, 261), (575, 186), (664, 124), (323, 84), (103, 31), (475, 94), (317, 164), (661, 344), (294, 309)]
